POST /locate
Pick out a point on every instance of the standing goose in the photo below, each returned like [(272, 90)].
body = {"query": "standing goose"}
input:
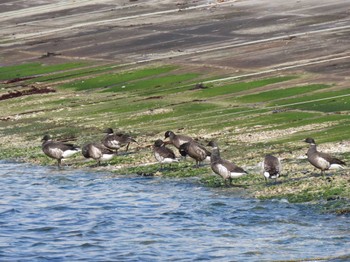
[(195, 151), (271, 167), (162, 153), (98, 152), (115, 141), (58, 150), (177, 140), (226, 169), (321, 160)]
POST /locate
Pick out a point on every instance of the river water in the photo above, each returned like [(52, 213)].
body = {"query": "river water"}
[(48, 214)]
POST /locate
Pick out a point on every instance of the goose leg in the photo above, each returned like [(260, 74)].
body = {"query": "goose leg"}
[(229, 180), (127, 147)]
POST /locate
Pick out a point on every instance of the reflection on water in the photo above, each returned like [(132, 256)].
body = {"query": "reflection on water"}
[(48, 214)]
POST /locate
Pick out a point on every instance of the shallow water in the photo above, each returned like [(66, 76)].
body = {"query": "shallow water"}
[(48, 214)]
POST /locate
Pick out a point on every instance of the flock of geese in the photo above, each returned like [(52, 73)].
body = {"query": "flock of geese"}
[(187, 146)]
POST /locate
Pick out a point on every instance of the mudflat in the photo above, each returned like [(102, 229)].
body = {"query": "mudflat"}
[(238, 37)]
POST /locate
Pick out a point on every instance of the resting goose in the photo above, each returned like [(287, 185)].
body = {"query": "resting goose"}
[(177, 140), (162, 153), (58, 150), (195, 151), (226, 169), (271, 167), (115, 141), (321, 160), (98, 152)]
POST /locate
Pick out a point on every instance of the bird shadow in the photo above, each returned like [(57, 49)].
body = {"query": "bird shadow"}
[(274, 183), (126, 153)]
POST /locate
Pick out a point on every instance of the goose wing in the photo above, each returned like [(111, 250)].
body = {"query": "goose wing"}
[(197, 151), (63, 146), (181, 139), (103, 149), (165, 152), (111, 141), (231, 166), (124, 139), (272, 165), (331, 159)]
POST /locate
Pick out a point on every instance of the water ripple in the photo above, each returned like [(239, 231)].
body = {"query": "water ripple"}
[(81, 215)]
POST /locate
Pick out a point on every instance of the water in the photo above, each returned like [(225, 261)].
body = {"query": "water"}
[(48, 214)]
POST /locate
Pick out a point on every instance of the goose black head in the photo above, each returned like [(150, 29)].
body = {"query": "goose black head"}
[(108, 130), (310, 140), (168, 134), (46, 138), (158, 143), (212, 144)]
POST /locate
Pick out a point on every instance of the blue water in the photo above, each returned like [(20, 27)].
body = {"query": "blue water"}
[(48, 214)]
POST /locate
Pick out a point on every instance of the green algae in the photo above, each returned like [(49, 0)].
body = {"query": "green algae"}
[(158, 98)]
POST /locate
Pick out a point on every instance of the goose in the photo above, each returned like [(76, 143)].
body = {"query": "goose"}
[(224, 168), (115, 141), (58, 150), (162, 153), (195, 151), (271, 167), (322, 160), (98, 152), (177, 140)]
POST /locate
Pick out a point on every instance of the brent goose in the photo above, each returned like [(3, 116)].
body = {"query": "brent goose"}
[(162, 153), (271, 167), (177, 140), (195, 151), (321, 160), (98, 152), (58, 150), (115, 141), (226, 169)]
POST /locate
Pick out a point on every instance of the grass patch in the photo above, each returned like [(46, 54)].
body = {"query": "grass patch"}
[(238, 87), (322, 193), (308, 98), (60, 76), (115, 81), (181, 111), (335, 133), (182, 169), (151, 86), (280, 93), (284, 118), (339, 104), (33, 69), (317, 119)]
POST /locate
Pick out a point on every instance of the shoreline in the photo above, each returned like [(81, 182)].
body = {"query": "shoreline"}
[(258, 77), (294, 188)]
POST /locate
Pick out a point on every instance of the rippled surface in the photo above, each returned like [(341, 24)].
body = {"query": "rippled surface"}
[(67, 215)]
